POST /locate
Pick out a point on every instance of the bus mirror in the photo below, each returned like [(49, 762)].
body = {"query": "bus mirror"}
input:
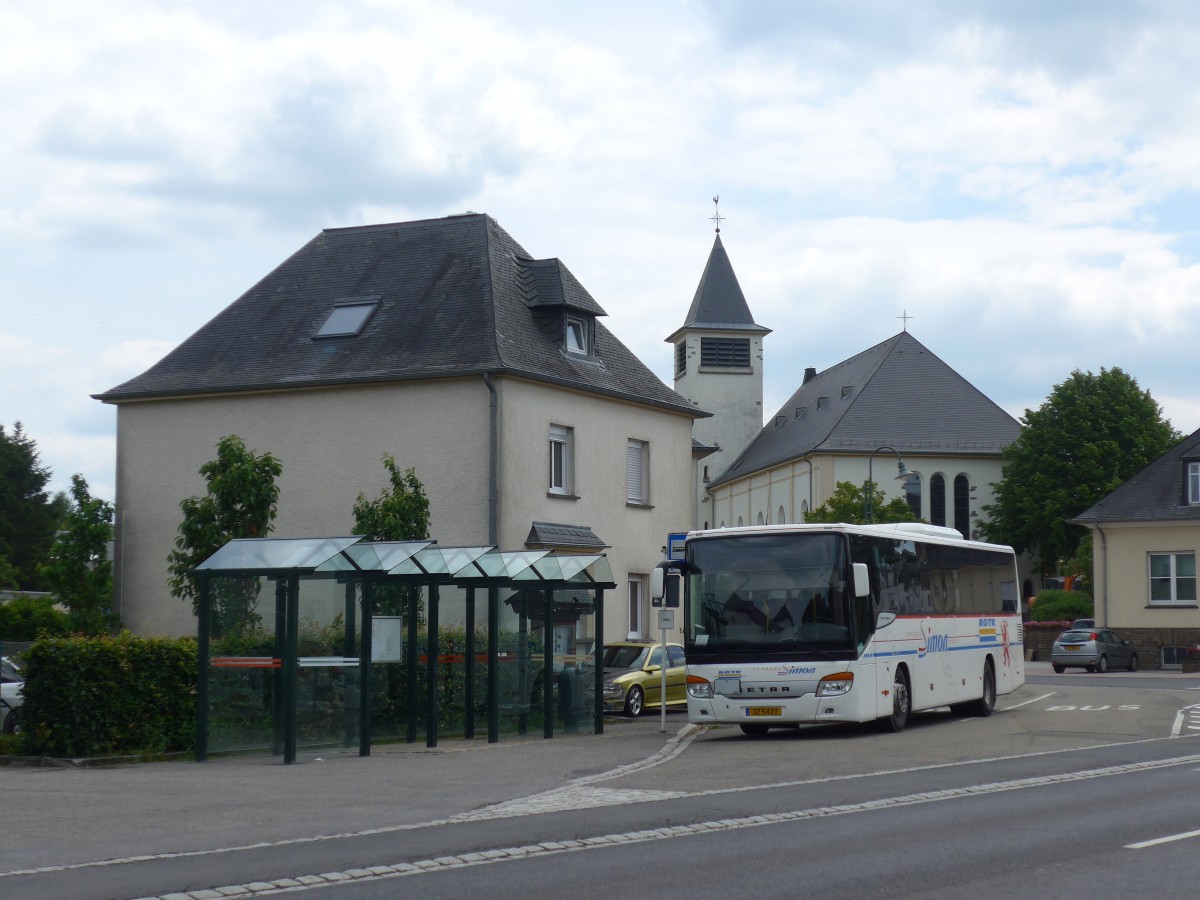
[(657, 585), (862, 582), (885, 619)]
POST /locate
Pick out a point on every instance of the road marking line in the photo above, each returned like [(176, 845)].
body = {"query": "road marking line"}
[(1027, 702), (1140, 845)]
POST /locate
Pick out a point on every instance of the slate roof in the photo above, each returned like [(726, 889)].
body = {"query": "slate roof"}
[(552, 534), (1155, 494), (719, 303), (896, 394), (458, 296)]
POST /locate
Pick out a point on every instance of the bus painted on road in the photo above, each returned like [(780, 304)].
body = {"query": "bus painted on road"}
[(801, 624)]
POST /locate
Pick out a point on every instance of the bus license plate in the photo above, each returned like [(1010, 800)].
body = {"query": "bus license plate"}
[(764, 710)]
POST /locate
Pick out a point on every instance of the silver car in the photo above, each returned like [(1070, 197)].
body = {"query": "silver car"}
[(1093, 649), (11, 683)]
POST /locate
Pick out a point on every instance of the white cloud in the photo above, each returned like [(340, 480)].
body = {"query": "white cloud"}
[(1019, 177)]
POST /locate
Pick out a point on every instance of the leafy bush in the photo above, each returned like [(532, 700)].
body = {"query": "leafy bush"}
[(1066, 606), (112, 695), (25, 618)]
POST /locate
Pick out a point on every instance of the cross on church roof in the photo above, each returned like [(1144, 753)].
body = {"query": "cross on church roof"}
[(716, 216), (904, 316)]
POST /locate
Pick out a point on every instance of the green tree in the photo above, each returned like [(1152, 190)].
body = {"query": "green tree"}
[(79, 571), (28, 514), (845, 504), (399, 513), (26, 618), (240, 503), (1091, 435)]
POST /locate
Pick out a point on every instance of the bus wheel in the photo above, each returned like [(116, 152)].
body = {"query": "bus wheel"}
[(754, 730), (984, 705), (901, 705)]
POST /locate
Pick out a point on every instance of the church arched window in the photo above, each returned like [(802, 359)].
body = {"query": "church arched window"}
[(912, 493), (962, 505), (937, 499)]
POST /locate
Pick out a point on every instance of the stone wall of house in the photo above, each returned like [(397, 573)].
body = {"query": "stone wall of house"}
[(1149, 642)]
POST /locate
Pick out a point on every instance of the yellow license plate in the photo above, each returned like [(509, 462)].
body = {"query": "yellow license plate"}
[(764, 710), (1071, 646)]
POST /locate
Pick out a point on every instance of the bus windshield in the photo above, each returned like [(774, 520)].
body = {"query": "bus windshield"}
[(769, 593)]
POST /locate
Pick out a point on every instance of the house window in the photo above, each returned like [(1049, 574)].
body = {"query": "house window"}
[(562, 462), (347, 319), (577, 335), (1193, 478), (637, 601), (637, 473), (1172, 579), (680, 359), (937, 500), (962, 505), (725, 353), (782, 517)]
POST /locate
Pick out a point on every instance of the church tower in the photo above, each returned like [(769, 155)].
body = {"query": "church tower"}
[(718, 368)]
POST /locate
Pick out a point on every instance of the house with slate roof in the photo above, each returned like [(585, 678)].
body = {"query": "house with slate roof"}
[(842, 423), (1145, 541), (445, 344)]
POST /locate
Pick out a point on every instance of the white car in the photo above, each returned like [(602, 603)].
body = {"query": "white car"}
[(11, 697)]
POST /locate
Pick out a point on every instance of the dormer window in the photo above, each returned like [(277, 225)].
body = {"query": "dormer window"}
[(1193, 483), (348, 318), (577, 336)]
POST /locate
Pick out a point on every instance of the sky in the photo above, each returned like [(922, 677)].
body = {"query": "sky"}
[(1019, 178)]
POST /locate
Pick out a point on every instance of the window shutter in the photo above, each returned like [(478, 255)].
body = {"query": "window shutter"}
[(633, 472)]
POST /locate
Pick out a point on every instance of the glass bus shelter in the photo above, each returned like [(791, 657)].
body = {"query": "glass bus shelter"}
[(335, 643)]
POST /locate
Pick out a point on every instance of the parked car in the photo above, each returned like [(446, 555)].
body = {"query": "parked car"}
[(11, 685), (633, 676), (1084, 623), (1095, 650)]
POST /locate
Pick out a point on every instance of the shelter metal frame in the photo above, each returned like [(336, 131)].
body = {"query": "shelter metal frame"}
[(370, 564)]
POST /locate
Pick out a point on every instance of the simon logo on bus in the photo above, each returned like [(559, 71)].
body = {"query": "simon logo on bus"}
[(797, 670), (934, 643)]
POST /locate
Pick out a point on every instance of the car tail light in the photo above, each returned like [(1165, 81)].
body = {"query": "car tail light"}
[(1094, 636)]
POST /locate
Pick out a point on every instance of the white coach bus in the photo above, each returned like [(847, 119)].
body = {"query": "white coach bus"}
[(803, 624)]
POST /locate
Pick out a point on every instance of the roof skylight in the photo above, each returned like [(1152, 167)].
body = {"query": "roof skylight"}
[(348, 318)]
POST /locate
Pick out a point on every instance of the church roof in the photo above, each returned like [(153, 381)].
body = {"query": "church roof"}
[(896, 394), (1154, 494), (719, 303), (438, 298)]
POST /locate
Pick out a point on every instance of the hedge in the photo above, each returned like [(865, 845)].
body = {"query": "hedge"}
[(1065, 606), (109, 696)]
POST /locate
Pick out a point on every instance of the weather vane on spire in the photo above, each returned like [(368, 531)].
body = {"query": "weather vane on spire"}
[(904, 317), (716, 216)]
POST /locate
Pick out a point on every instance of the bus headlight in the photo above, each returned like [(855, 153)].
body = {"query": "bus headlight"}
[(835, 685), (699, 688)]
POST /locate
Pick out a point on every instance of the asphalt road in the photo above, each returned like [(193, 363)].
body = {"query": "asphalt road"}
[(1074, 774)]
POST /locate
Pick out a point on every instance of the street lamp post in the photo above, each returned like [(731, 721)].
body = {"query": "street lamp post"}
[(868, 494)]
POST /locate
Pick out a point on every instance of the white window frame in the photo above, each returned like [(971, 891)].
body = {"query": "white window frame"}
[(635, 609), (637, 473), (561, 476), (575, 337), (1171, 578), (1193, 482)]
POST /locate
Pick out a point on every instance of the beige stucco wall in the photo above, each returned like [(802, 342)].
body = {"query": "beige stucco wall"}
[(788, 485), (734, 396), (602, 429), (330, 443), (1121, 556)]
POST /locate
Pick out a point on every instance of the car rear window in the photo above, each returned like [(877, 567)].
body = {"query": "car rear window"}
[(1075, 637)]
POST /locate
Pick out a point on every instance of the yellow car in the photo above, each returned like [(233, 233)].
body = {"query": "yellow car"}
[(633, 676)]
